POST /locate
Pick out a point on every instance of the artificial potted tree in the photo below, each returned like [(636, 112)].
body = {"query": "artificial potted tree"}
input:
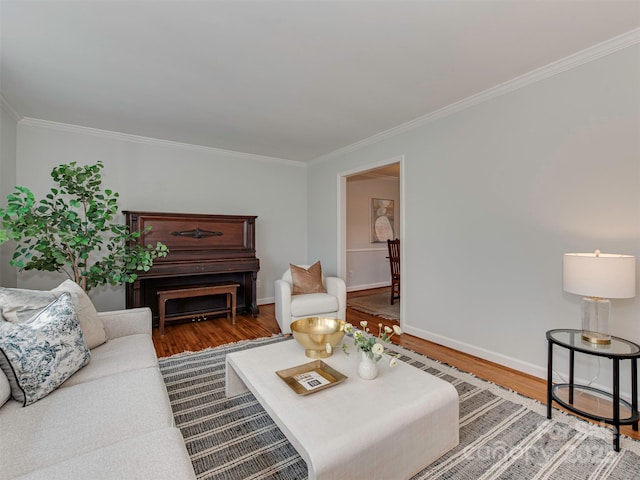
[(72, 230)]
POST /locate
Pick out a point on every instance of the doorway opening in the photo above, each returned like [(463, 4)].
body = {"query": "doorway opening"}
[(370, 210)]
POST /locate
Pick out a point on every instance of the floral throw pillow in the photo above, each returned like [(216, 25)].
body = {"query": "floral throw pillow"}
[(18, 305), (39, 355)]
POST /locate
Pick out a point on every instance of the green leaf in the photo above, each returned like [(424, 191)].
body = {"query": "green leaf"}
[(72, 227)]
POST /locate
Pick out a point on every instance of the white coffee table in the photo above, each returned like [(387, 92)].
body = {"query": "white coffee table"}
[(388, 428)]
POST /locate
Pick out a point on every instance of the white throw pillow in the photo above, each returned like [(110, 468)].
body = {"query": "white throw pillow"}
[(39, 355), (19, 305), (90, 321)]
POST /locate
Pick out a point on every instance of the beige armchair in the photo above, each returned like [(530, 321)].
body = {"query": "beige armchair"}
[(290, 307)]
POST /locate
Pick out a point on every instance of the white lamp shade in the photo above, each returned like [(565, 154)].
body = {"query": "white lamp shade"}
[(604, 275)]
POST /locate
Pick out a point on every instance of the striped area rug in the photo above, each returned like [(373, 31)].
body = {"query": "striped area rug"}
[(503, 435)]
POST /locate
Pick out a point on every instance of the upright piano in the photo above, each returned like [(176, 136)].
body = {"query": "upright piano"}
[(203, 250)]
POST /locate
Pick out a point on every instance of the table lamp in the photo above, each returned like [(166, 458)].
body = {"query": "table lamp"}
[(598, 277)]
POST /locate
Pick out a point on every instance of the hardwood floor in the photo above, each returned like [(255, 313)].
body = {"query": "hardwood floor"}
[(219, 331)]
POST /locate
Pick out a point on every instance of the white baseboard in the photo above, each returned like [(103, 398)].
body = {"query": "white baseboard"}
[(525, 367), (266, 301), (356, 288)]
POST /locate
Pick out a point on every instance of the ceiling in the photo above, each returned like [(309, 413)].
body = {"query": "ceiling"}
[(386, 172), (287, 79)]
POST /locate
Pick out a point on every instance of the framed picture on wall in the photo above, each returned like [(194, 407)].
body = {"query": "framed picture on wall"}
[(381, 220)]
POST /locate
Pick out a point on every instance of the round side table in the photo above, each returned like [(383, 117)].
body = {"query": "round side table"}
[(563, 393)]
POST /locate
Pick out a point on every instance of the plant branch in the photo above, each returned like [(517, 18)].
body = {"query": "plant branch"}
[(68, 229)]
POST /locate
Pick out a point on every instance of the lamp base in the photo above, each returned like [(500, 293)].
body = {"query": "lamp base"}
[(596, 338), (595, 320)]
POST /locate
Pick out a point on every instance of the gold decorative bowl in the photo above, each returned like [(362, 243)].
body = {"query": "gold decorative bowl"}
[(318, 335)]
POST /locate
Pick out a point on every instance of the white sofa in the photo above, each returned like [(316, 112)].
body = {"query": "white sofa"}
[(111, 420)]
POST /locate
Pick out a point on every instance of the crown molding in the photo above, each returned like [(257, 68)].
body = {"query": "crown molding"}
[(590, 54), (6, 106), (127, 137)]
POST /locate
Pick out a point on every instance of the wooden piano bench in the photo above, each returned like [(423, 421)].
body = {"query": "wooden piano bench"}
[(227, 288)]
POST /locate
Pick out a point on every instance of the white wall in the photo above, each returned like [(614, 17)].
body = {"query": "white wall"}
[(367, 263), (494, 195), (8, 128), (160, 176)]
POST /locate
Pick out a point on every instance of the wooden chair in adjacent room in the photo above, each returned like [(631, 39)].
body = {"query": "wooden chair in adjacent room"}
[(394, 263)]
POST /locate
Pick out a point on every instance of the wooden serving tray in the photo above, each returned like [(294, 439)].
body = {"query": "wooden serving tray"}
[(311, 377)]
